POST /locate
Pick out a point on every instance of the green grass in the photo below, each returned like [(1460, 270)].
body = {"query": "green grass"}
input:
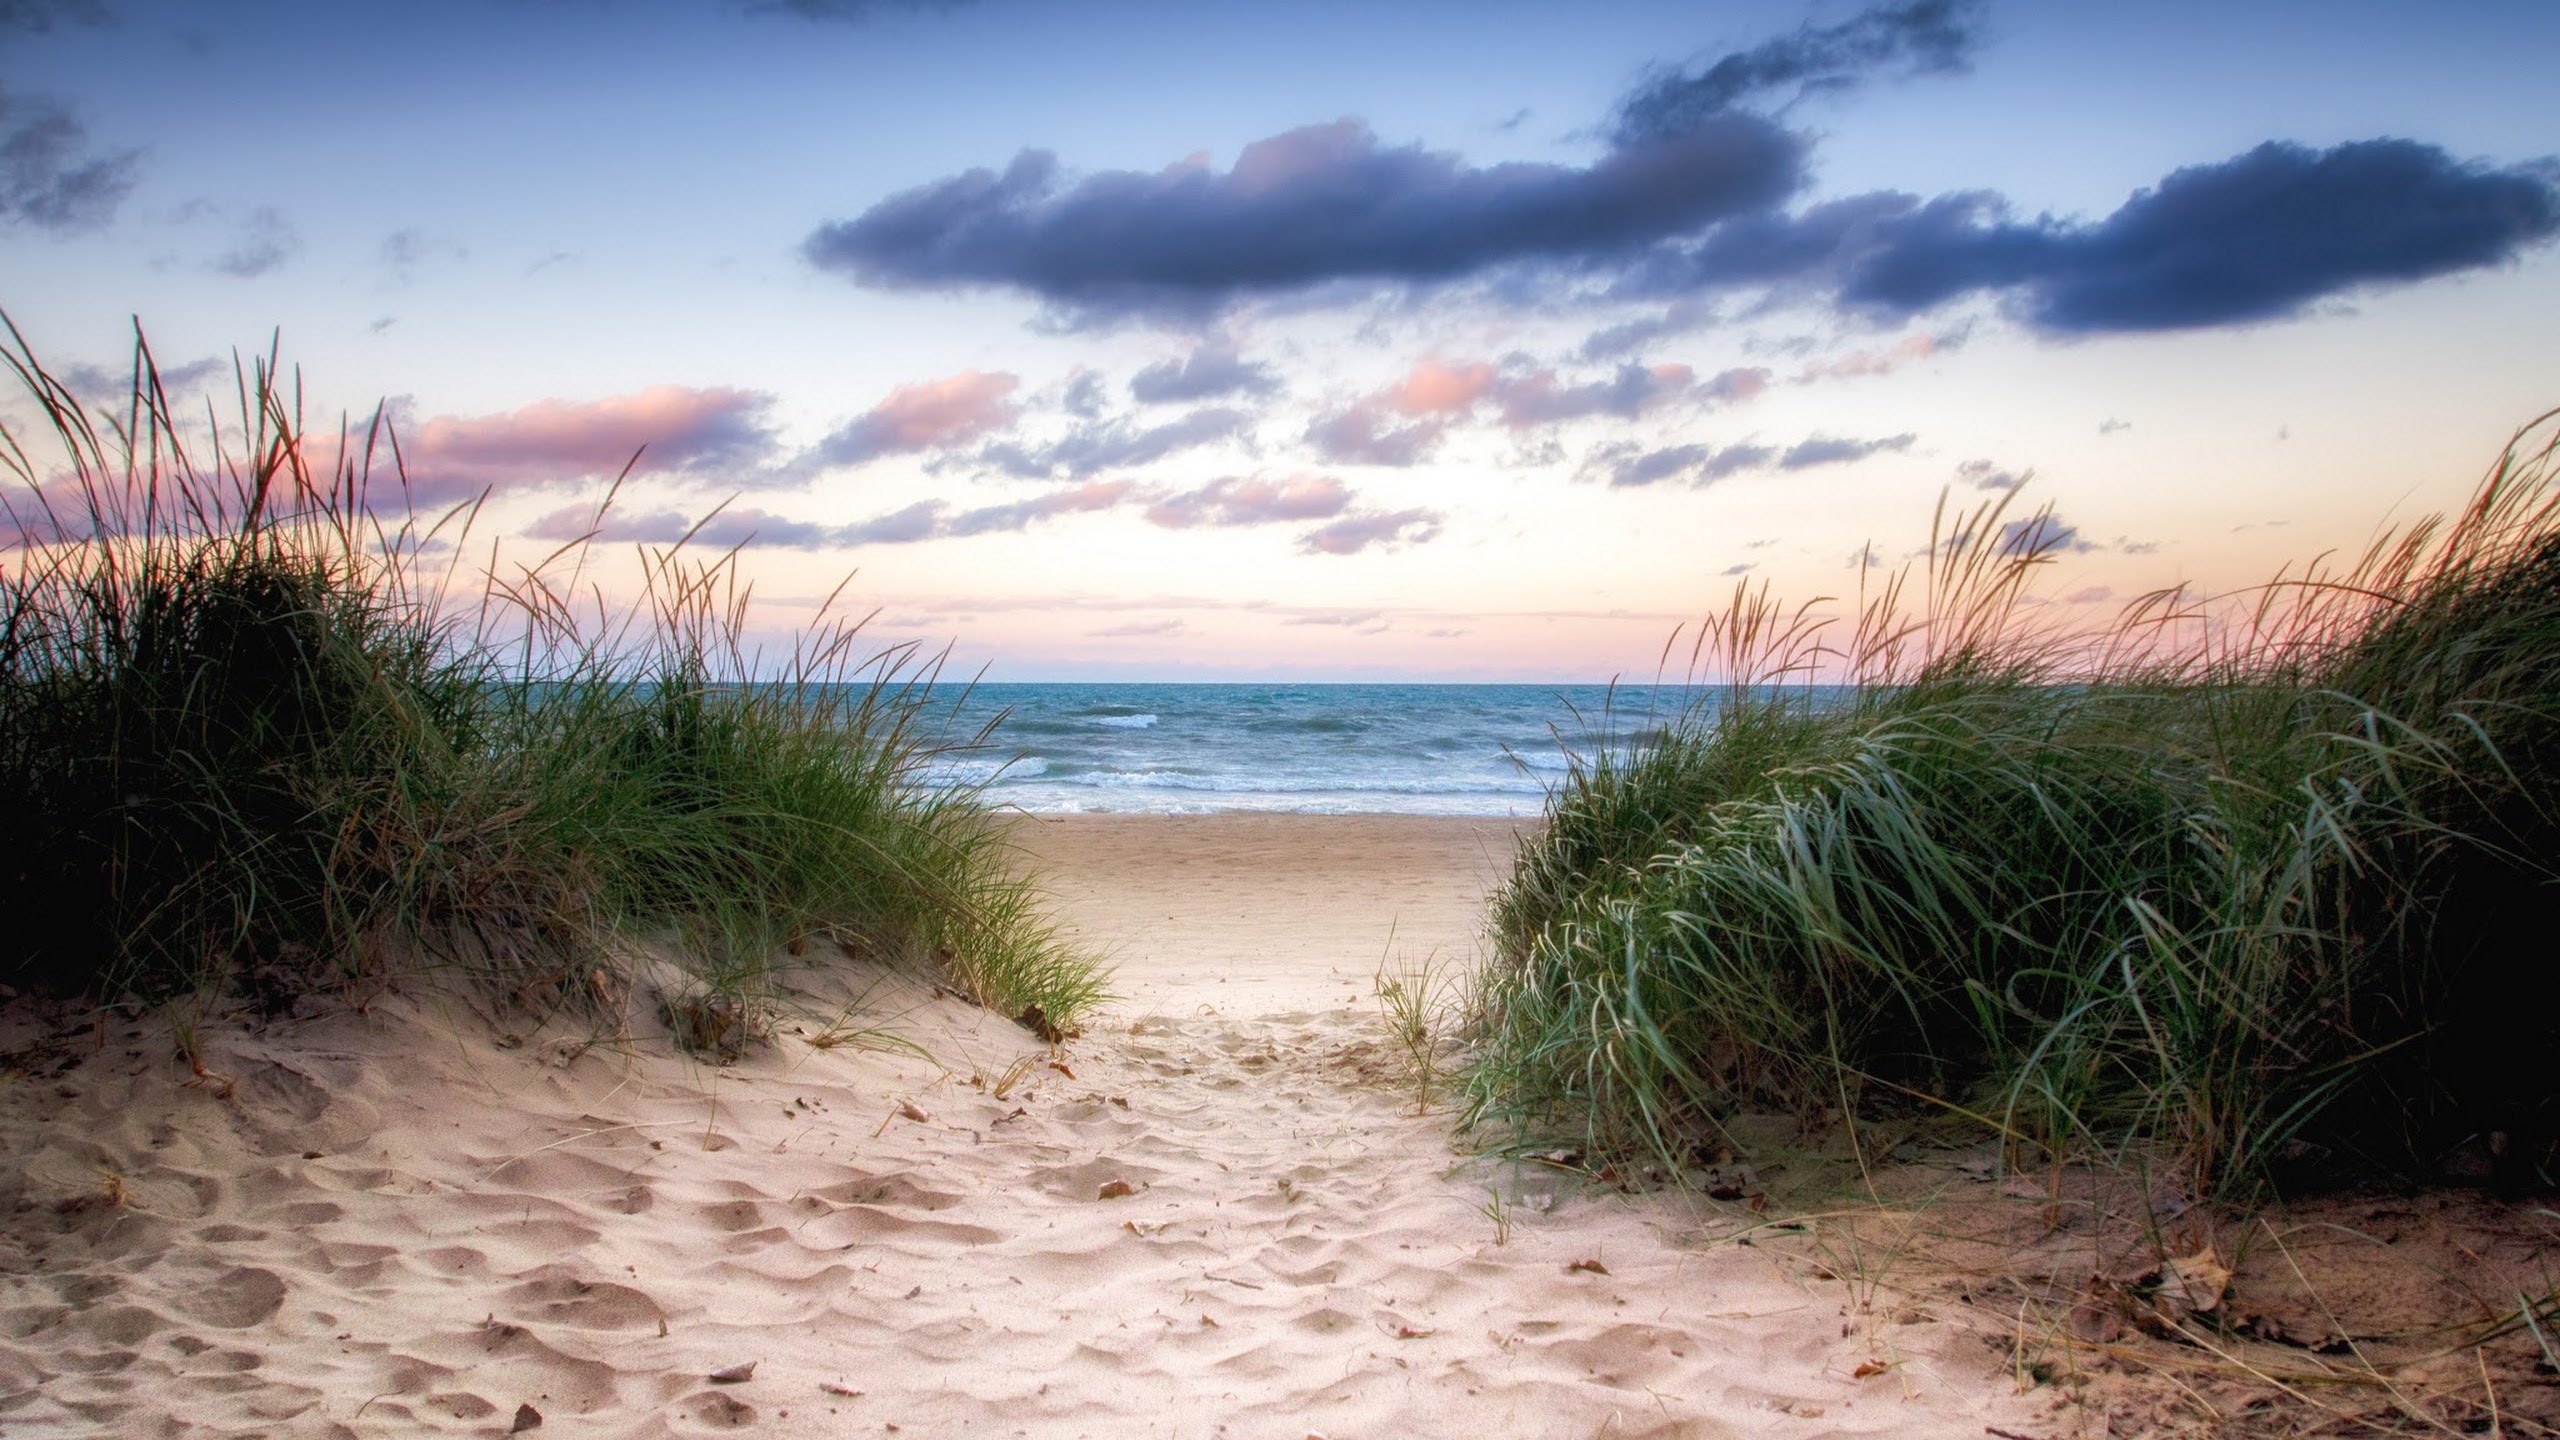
[(2263, 883), (264, 730)]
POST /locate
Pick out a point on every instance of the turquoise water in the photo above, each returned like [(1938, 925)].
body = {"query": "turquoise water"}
[(1336, 749)]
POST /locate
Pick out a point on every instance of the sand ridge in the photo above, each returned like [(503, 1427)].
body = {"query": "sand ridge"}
[(410, 1222)]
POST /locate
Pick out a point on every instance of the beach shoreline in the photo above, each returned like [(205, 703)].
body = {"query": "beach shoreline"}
[(1220, 1211)]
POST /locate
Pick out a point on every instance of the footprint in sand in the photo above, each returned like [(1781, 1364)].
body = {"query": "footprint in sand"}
[(236, 1299)]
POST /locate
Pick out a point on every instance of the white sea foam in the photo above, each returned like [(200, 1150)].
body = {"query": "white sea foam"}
[(1180, 749)]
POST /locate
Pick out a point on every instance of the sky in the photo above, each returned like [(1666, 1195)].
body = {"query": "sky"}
[(1240, 340)]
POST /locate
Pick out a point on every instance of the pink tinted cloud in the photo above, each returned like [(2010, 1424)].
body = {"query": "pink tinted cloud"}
[(1252, 501), (722, 530), (552, 442), (1436, 389), (1366, 529), (1402, 424), (1365, 434), (924, 416), (1881, 361)]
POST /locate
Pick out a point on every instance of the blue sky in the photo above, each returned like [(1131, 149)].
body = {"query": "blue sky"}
[(1247, 340)]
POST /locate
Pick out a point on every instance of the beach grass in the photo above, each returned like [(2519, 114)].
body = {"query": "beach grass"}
[(266, 731), (2257, 887)]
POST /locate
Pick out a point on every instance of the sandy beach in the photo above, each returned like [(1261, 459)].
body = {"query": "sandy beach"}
[(1216, 1212)]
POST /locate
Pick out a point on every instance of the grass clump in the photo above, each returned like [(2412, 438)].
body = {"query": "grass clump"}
[(2257, 883), (260, 729)]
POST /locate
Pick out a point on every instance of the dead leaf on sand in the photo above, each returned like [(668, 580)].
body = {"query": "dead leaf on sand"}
[(2195, 1282), (1867, 1368), (1586, 1266), (914, 1112), (738, 1374), (1115, 1189)]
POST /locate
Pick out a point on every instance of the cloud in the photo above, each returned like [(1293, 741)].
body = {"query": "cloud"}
[(47, 177), (1735, 459), (265, 244), (113, 384), (851, 10), (1436, 389), (1367, 433), (1829, 450), (2257, 237), (2041, 534), (40, 16), (1986, 475), (1347, 619), (405, 250), (1206, 373), (704, 433), (1317, 204), (2111, 425), (1252, 500), (721, 530), (1860, 364), (1538, 399), (1371, 529), (920, 521), (922, 416), (1256, 500), (1685, 200), (1923, 37), (1116, 444), (1680, 318), (1139, 630), (1083, 395), (1629, 466), (1022, 514)]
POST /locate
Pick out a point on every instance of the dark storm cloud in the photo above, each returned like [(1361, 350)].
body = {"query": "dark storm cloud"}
[(1205, 374), (48, 177), (1923, 37), (1687, 201), (1321, 203), (2255, 237)]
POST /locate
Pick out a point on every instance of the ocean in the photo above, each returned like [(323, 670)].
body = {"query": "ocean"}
[(1328, 749)]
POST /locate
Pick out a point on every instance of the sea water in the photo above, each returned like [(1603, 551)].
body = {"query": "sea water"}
[(1336, 749)]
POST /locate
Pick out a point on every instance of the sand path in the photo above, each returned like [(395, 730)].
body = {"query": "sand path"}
[(400, 1224)]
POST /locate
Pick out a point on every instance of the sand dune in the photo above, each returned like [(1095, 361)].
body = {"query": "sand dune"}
[(411, 1222)]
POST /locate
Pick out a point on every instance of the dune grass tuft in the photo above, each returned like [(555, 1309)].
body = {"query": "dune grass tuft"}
[(2262, 883), (262, 729)]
